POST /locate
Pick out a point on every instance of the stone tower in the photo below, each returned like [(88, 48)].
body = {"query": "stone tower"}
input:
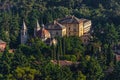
[(36, 29), (24, 35)]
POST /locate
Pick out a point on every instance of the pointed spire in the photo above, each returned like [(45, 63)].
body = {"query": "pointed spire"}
[(24, 25), (38, 26)]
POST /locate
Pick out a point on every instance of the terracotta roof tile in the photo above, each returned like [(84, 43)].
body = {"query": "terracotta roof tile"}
[(43, 33), (64, 62)]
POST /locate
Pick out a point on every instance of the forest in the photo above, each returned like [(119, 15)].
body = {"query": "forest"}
[(96, 60)]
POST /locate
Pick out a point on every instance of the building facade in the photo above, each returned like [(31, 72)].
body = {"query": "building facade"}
[(74, 26), (56, 29), (87, 24)]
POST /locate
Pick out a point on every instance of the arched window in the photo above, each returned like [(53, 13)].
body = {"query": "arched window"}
[(69, 28)]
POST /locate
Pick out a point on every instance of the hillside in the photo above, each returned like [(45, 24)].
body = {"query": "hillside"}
[(38, 61)]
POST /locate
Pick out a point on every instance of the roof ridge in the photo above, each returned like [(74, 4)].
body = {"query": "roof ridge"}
[(24, 25), (59, 24), (1, 41), (69, 19), (77, 19), (64, 17)]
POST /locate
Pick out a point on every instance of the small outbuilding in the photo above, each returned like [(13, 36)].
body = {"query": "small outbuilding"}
[(2, 45)]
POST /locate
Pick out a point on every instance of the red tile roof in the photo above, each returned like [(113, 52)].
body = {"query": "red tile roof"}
[(64, 62), (43, 33)]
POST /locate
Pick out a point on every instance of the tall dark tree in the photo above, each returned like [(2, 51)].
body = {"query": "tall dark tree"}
[(5, 63), (14, 31)]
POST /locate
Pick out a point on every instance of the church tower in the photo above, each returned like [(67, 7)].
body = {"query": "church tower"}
[(24, 35), (36, 29)]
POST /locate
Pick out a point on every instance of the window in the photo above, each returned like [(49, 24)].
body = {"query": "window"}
[(69, 33), (69, 28), (74, 30), (57, 33)]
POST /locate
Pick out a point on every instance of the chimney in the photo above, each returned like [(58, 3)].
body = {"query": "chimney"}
[(55, 21)]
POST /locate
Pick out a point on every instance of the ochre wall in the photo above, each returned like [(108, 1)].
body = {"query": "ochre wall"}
[(55, 33), (74, 29), (81, 29)]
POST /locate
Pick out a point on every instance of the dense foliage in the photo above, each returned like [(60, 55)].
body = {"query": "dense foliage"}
[(33, 62)]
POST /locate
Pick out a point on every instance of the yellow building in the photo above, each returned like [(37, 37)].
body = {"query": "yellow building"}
[(69, 26), (87, 24), (56, 29), (74, 26)]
